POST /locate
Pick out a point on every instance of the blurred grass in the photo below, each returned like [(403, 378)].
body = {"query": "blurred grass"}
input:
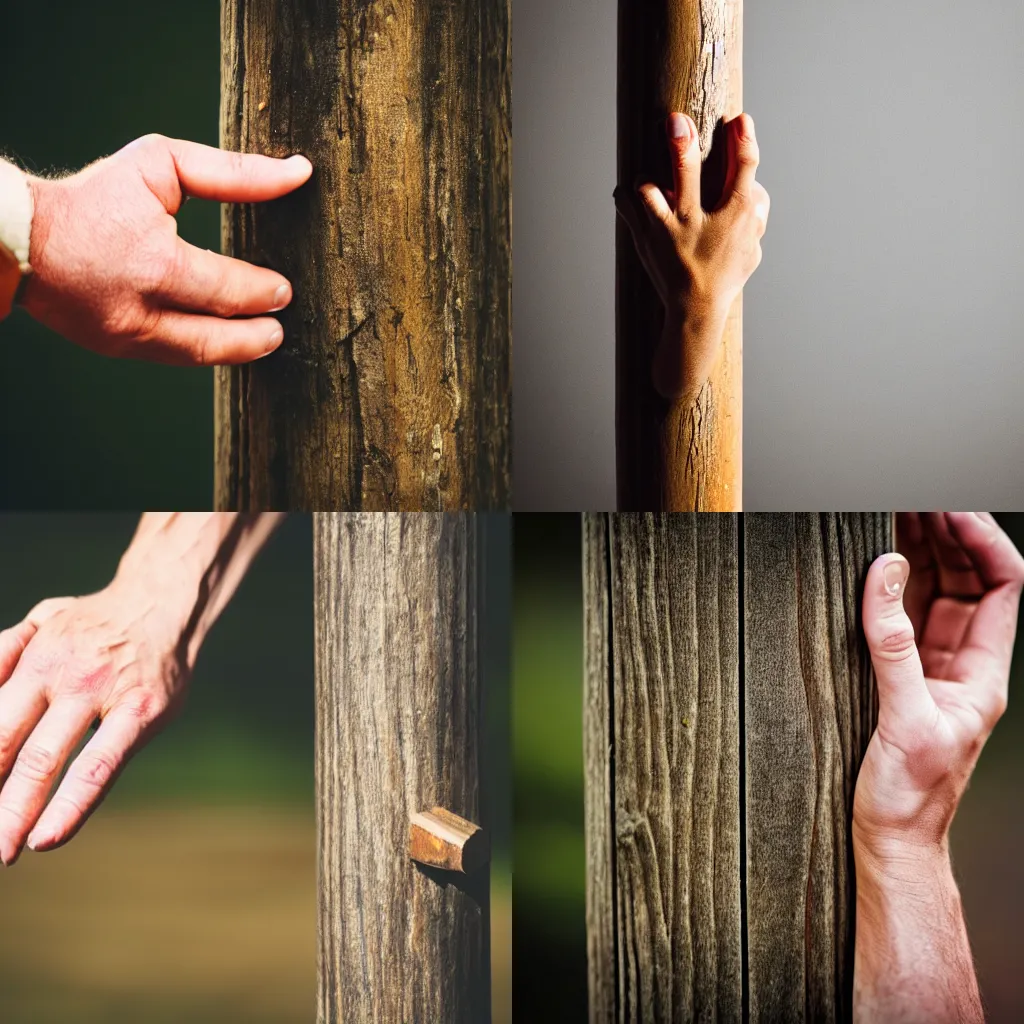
[(549, 900), (175, 914)]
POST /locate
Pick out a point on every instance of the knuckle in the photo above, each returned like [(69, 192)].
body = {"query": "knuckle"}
[(892, 639), (36, 763), (8, 745), (86, 676), (145, 706), (96, 768)]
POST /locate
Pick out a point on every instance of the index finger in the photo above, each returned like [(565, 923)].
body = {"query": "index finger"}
[(208, 173), (12, 645)]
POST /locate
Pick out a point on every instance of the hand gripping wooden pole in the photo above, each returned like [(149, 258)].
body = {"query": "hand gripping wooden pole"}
[(683, 55)]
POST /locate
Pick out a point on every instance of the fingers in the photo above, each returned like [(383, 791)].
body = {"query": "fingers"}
[(89, 778), (36, 769), (653, 202), (743, 155), (903, 697), (12, 646), (988, 549), (628, 208), (188, 339), (761, 203), (208, 173), (684, 149), (22, 703), (984, 654), (956, 572), (208, 282)]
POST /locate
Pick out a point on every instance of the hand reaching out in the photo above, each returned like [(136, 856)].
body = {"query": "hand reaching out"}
[(111, 274), (114, 656), (941, 694), (122, 657), (697, 259)]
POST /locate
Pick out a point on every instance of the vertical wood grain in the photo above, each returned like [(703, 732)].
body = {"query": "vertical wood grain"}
[(683, 55), (397, 730), (809, 713), (727, 686), (662, 757), (391, 390)]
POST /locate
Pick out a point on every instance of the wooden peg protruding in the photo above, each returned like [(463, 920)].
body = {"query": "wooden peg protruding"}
[(441, 839)]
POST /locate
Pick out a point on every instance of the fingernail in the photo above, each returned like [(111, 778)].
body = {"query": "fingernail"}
[(275, 337), (298, 159), (281, 298), (987, 517), (895, 576), (678, 127)]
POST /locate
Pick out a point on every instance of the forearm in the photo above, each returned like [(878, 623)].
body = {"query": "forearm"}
[(195, 561), (689, 344), (912, 960)]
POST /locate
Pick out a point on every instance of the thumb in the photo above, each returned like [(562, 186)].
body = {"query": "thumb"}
[(902, 693)]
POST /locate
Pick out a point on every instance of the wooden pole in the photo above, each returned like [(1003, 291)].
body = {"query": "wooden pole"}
[(398, 732), (683, 55), (392, 388), (728, 703)]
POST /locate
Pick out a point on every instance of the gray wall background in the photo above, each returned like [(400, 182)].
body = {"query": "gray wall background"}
[(883, 364)]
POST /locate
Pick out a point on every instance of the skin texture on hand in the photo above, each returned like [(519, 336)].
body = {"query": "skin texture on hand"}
[(697, 259), (121, 657), (940, 621), (111, 274)]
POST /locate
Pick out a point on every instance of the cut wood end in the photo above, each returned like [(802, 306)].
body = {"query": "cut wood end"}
[(443, 840)]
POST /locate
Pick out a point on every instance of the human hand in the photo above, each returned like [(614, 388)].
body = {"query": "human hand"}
[(111, 274), (697, 259), (121, 656), (939, 697)]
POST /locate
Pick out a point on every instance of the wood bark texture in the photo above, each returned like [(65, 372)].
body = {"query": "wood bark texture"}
[(810, 711), (391, 390), (397, 730), (683, 55), (662, 760), (729, 699)]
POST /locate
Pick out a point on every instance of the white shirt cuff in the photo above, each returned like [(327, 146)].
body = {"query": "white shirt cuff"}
[(16, 209)]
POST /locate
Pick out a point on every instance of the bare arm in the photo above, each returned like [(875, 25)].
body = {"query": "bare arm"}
[(122, 656), (912, 961), (940, 624)]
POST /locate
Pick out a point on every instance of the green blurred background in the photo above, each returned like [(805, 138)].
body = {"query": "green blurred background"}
[(191, 894), (80, 80), (550, 933)]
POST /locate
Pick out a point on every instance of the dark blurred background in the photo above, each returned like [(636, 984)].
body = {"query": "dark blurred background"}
[(550, 933), (191, 894), (80, 80)]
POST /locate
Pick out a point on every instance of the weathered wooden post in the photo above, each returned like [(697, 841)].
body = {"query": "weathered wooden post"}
[(728, 701), (391, 390), (681, 55), (398, 733)]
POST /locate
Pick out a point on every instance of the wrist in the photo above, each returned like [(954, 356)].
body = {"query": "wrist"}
[(686, 349), (901, 862), (166, 587)]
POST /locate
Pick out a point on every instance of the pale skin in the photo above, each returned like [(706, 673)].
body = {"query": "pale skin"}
[(940, 620), (697, 259), (120, 659), (111, 274)]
